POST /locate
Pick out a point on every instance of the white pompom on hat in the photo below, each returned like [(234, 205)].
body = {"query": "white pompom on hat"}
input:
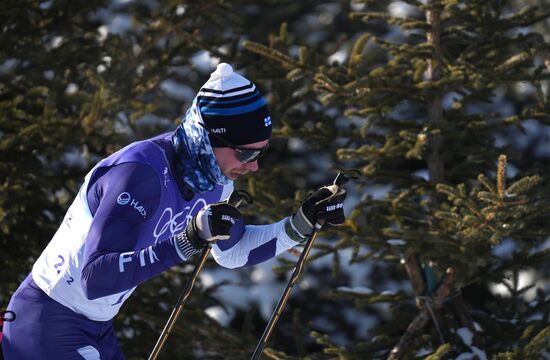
[(232, 108)]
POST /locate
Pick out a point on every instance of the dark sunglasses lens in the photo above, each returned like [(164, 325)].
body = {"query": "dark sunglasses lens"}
[(249, 155)]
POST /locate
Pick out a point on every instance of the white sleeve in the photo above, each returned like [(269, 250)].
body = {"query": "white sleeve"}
[(257, 244)]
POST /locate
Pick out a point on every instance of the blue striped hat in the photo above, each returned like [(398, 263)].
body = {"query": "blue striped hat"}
[(232, 108)]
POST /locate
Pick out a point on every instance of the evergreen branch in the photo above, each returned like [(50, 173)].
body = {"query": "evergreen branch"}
[(369, 298), (271, 54), (440, 353), (536, 347), (326, 82), (367, 16), (523, 185), (520, 58), (490, 197), (269, 353), (356, 54), (330, 347), (501, 176), (526, 17), (485, 182)]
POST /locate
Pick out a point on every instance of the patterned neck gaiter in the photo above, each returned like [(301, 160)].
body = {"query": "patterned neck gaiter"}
[(199, 168)]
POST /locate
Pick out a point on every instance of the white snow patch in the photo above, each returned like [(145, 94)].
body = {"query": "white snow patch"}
[(538, 316), (102, 33), (215, 276), (177, 91), (180, 10), (355, 290), (395, 242), (48, 74), (261, 274), (219, 314), (53, 43), (401, 9), (449, 99), (525, 278), (128, 332), (8, 66), (505, 249), (422, 174), (204, 62), (466, 335), (477, 354), (339, 57), (76, 158), (478, 327), (46, 5), (481, 355), (71, 89)]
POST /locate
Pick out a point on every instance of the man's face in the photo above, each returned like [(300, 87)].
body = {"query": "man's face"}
[(233, 168)]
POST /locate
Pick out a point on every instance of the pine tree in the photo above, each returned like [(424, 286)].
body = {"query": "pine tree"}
[(79, 80), (77, 84), (428, 110)]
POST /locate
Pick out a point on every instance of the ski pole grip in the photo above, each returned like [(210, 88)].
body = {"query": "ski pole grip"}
[(343, 177), (238, 196)]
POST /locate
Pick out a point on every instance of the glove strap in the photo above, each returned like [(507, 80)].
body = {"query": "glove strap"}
[(300, 224), (189, 243)]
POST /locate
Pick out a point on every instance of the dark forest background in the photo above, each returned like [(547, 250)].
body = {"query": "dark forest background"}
[(443, 105)]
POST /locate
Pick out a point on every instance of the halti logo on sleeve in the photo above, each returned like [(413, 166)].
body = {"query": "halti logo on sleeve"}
[(125, 198)]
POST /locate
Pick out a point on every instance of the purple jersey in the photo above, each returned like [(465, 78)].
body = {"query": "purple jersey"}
[(119, 231)]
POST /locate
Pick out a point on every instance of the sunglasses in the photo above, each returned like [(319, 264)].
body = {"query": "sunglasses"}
[(244, 155)]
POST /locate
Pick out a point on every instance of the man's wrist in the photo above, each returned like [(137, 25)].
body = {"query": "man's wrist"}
[(292, 232), (301, 224), (187, 246)]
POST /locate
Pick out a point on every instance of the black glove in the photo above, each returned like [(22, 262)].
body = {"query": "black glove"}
[(324, 206), (212, 223)]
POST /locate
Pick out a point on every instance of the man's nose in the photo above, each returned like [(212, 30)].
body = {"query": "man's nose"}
[(252, 166)]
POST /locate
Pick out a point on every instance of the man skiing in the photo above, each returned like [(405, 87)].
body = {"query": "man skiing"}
[(150, 206)]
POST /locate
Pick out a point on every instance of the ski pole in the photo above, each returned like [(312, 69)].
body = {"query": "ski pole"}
[(340, 180), (236, 198)]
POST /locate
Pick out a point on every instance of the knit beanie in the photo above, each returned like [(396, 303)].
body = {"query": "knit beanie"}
[(233, 109)]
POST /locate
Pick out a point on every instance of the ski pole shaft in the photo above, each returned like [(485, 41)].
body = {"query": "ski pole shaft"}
[(340, 180), (180, 304), (284, 297), (236, 198)]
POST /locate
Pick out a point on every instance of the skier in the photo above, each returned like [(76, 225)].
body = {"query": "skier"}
[(147, 207)]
